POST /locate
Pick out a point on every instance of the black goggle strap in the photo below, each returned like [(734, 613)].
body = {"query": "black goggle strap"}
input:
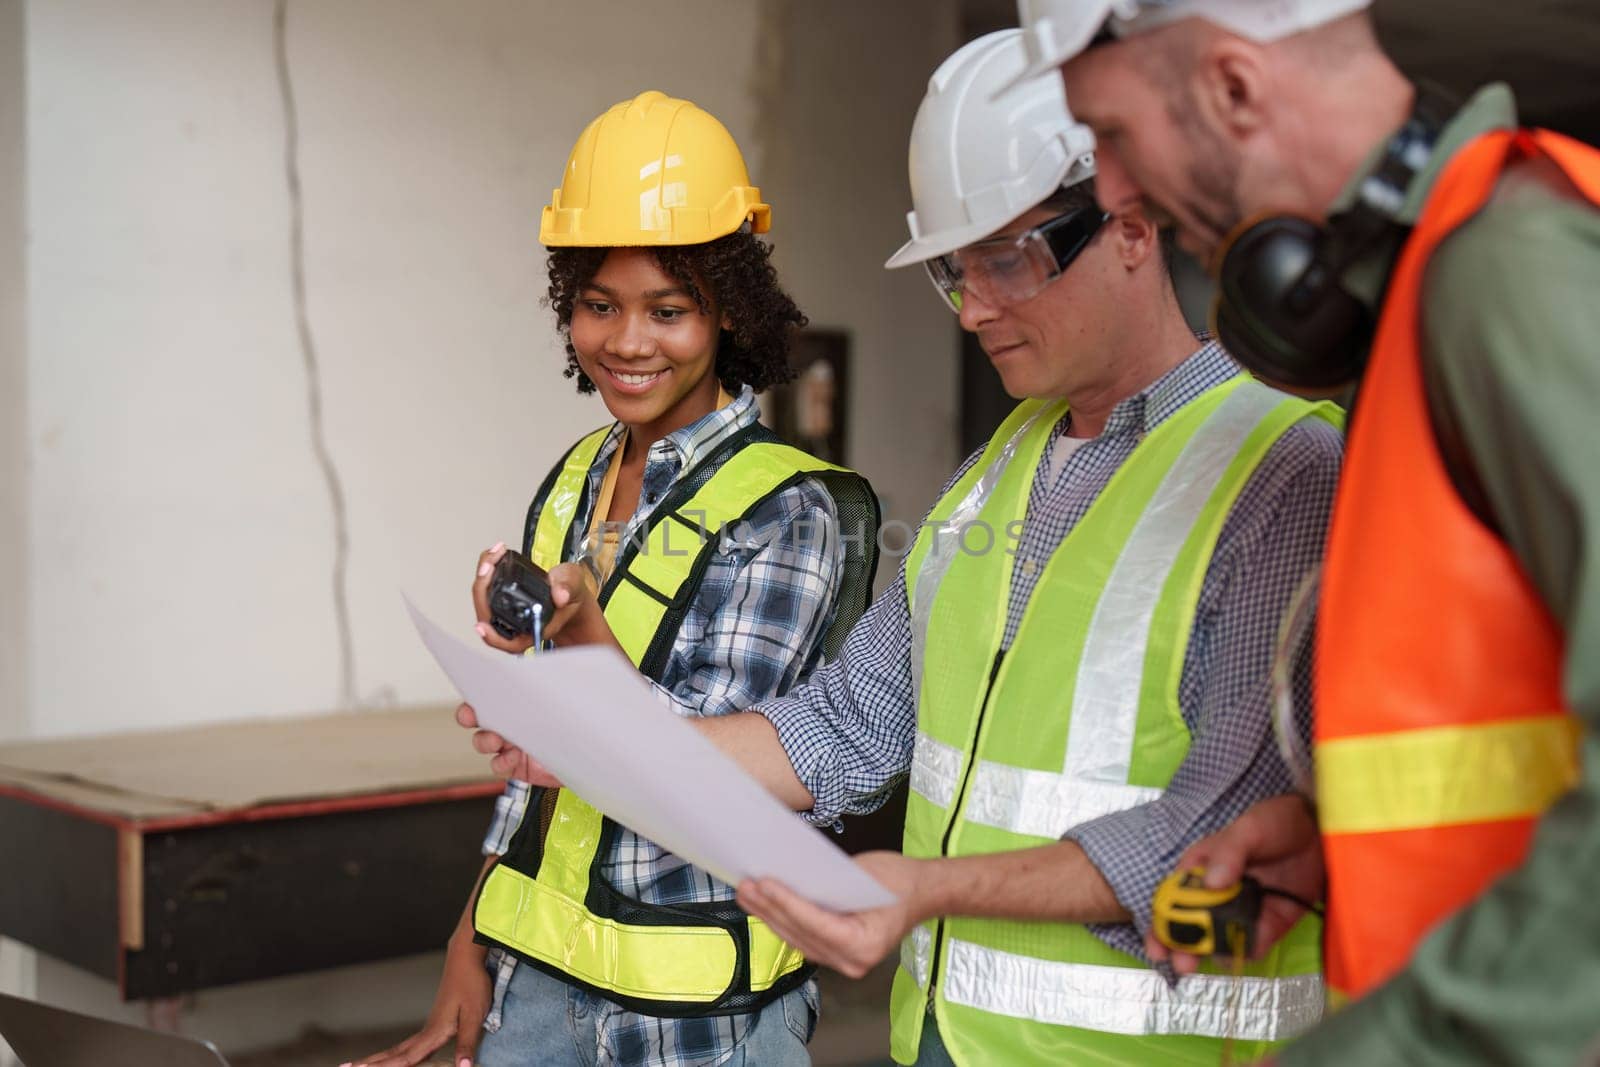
[(1065, 235), (1068, 235)]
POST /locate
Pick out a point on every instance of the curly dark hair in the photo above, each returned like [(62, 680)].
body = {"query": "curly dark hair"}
[(731, 272)]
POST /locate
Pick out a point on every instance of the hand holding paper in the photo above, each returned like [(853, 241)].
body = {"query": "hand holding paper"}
[(851, 943), (594, 722), (505, 759)]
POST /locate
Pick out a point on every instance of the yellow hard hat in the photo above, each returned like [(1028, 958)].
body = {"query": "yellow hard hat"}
[(652, 171)]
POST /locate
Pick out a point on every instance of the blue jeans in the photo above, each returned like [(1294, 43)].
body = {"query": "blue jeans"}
[(547, 1023)]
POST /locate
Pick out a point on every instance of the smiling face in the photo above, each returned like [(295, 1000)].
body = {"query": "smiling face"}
[(646, 345)]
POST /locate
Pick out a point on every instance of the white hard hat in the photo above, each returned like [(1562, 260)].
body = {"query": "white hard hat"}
[(977, 162), (1057, 30)]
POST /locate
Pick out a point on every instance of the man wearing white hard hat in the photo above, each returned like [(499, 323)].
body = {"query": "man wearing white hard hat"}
[(1073, 665), (1449, 261)]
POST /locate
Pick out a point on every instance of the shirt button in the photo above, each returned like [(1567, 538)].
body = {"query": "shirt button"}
[(1029, 567)]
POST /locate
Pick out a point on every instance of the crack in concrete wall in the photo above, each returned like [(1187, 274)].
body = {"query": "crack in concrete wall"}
[(308, 351)]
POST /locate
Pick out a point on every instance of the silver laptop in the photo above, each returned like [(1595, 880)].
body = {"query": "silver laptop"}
[(43, 1036)]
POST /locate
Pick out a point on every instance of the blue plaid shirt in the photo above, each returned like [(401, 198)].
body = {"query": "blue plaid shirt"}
[(849, 732), (755, 626)]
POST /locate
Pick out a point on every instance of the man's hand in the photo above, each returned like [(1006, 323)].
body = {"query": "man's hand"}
[(508, 761), (1275, 842), (458, 1011), (851, 943)]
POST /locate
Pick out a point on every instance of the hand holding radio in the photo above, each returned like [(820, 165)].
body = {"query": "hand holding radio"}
[(520, 598), (483, 587), (517, 603)]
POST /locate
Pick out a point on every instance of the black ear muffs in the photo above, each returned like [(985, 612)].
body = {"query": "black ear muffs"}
[(1281, 311)]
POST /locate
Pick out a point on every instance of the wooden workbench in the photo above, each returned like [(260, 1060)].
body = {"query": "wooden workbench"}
[(175, 860)]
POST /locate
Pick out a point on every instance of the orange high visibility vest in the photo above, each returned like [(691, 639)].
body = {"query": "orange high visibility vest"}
[(1441, 731)]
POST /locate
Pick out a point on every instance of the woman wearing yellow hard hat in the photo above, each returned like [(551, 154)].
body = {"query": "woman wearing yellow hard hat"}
[(724, 563)]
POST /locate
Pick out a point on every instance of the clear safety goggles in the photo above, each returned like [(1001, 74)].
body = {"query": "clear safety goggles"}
[(1008, 270)]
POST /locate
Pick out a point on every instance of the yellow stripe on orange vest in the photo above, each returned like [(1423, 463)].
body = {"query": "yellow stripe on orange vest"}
[(1443, 776)]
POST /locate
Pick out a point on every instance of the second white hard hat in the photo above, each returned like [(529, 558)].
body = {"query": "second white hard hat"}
[(1057, 30), (978, 161)]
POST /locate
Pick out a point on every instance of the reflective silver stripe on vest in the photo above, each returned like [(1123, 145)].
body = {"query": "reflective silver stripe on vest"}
[(1130, 1000), (1105, 704), (1044, 804), (915, 950), (945, 541), (935, 771)]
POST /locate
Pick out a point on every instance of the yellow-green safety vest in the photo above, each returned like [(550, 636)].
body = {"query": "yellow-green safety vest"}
[(546, 900), (1078, 718)]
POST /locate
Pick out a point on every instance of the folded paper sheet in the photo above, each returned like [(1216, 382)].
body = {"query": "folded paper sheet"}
[(588, 716)]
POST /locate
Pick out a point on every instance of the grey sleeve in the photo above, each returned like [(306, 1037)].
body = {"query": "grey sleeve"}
[(1512, 325)]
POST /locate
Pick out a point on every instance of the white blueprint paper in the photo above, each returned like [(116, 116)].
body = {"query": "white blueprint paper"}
[(588, 716)]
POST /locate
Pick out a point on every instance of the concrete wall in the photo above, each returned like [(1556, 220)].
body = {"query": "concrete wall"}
[(13, 374), (179, 517), (175, 510), (185, 520), (176, 494), (17, 963), (852, 78)]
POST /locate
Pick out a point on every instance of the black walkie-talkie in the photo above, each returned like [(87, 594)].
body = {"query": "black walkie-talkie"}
[(519, 597)]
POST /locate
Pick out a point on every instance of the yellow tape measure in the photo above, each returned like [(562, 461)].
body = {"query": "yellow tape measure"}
[(1189, 917)]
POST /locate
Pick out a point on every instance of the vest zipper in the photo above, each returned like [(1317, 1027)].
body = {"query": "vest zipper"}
[(955, 811)]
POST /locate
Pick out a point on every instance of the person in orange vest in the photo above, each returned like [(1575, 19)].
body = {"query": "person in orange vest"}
[(1449, 260)]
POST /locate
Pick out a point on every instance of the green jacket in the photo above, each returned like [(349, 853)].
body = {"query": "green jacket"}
[(1511, 350)]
